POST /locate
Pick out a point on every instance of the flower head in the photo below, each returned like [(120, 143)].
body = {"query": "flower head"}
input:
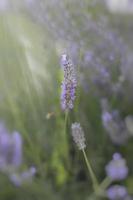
[(117, 192), (69, 83), (78, 135), (117, 168)]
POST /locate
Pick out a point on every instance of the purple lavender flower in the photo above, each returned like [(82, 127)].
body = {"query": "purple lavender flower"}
[(10, 149), (117, 168), (117, 192), (114, 124), (26, 176), (69, 83), (17, 150)]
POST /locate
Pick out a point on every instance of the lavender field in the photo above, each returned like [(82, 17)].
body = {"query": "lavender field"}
[(66, 100)]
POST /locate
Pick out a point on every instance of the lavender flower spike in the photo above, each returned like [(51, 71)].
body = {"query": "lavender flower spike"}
[(69, 83), (78, 135)]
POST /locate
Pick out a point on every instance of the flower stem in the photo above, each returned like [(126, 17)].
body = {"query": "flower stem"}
[(105, 183), (101, 189), (66, 120), (92, 175), (66, 144)]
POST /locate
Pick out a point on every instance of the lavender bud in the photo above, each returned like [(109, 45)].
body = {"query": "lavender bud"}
[(69, 83), (78, 135), (117, 192), (64, 60), (117, 169)]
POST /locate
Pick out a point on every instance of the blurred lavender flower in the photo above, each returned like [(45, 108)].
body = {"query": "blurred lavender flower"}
[(17, 150), (117, 192), (102, 79), (88, 57), (113, 124), (78, 135), (117, 168), (26, 176), (10, 149), (4, 4), (69, 83)]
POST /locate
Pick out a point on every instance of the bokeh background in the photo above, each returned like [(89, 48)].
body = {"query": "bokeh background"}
[(97, 35)]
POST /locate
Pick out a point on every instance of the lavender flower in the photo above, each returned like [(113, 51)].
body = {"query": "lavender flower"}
[(10, 149), (17, 150), (117, 192), (69, 83), (78, 135), (114, 124), (117, 169), (26, 176)]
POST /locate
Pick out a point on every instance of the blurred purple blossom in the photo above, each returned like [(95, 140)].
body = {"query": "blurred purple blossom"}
[(88, 57), (117, 169), (117, 192), (10, 149), (19, 178), (4, 5), (17, 151), (114, 124)]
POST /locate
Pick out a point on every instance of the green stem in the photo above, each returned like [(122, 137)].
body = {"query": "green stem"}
[(105, 183), (66, 119), (92, 175), (101, 189), (66, 144)]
